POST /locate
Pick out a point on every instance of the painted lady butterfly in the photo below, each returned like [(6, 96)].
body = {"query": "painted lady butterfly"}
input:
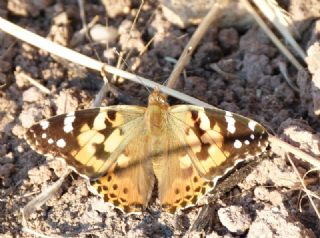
[(126, 150)]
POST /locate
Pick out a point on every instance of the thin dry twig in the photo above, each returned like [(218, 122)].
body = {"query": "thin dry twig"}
[(272, 36), (283, 70), (305, 189), (209, 19), (123, 61), (37, 202), (291, 149), (43, 196), (35, 83), (147, 46), (80, 35), (281, 20), (83, 18), (136, 17), (102, 92), (226, 75), (120, 62)]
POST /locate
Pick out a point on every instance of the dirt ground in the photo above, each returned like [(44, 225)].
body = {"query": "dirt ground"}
[(268, 202)]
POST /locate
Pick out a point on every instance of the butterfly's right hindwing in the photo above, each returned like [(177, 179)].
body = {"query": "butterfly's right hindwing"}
[(129, 182)]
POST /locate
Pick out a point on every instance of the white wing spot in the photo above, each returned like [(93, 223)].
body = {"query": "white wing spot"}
[(61, 143), (50, 141), (231, 122), (237, 144), (44, 135), (68, 128), (70, 114), (252, 125), (44, 124), (247, 142), (68, 120), (252, 136)]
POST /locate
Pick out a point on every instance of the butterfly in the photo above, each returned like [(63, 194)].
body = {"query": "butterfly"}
[(128, 151)]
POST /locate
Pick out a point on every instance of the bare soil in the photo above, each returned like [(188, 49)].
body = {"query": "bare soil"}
[(266, 202)]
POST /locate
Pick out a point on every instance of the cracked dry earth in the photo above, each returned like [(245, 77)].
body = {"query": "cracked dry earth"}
[(267, 200)]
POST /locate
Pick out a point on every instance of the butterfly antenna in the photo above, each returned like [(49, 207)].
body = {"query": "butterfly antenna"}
[(105, 87), (85, 26), (120, 55), (125, 63)]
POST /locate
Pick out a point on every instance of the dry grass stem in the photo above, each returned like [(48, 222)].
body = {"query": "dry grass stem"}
[(209, 19), (272, 36), (43, 196), (305, 189), (282, 21), (283, 70), (35, 83), (297, 152), (226, 75)]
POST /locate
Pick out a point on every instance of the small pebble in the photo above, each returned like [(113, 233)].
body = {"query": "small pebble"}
[(31, 95), (103, 34), (28, 117), (234, 219), (66, 102), (6, 170), (229, 38)]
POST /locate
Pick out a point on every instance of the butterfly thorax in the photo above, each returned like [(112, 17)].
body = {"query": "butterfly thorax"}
[(156, 113)]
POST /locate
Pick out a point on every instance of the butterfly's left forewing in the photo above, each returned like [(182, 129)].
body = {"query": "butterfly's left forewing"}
[(86, 139), (218, 139)]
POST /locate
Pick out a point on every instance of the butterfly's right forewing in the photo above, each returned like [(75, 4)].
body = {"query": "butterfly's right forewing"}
[(86, 139)]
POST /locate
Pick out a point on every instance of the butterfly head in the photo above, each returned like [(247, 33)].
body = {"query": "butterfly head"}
[(157, 98)]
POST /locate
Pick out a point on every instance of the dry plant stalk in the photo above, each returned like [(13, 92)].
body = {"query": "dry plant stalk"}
[(282, 21), (211, 16), (305, 189), (272, 36)]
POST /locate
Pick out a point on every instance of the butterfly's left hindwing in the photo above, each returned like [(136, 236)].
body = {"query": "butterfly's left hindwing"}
[(85, 139)]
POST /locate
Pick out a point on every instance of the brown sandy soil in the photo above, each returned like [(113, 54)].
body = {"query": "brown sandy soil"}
[(265, 203)]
